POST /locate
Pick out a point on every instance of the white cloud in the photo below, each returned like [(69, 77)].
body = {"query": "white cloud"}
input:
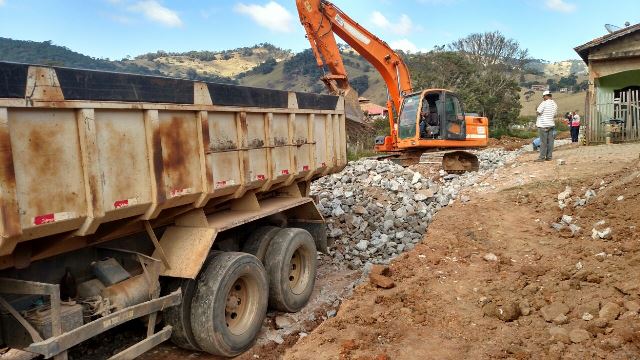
[(272, 15), (154, 11), (404, 45), (121, 19), (1, 2), (404, 25), (560, 5)]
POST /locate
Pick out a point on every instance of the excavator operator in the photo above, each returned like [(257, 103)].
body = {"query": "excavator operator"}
[(429, 122)]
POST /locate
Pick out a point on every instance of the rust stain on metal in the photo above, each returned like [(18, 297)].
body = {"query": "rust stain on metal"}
[(158, 164), (246, 166), (223, 145), (255, 144), (279, 141), (8, 206), (93, 186), (43, 150), (177, 145), (7, 174), (206, 141), (243, 123)]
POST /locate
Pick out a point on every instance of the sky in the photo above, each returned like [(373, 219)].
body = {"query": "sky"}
[(114, 29)]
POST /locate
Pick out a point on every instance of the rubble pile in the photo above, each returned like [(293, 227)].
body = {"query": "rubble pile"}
[(376, 209)]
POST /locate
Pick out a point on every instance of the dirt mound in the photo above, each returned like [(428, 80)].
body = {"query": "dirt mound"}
[(508, 142), (488, 283)]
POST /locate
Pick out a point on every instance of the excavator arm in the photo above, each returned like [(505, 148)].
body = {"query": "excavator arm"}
[(322, 21)]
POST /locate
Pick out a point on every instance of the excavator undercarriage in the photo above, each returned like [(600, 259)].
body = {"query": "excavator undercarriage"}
[(453, 162)]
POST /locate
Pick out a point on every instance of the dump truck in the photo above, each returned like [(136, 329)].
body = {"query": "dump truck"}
[(180, 203)]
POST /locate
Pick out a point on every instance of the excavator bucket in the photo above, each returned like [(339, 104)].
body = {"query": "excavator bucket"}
[(459, 162)]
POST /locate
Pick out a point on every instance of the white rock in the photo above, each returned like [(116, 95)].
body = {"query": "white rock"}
[(490, 257), (337, 212), (587, 316), (605, 234), (567, 219), (420, 197), (282, 322), (620, 198), (575, 229), (362, 245), (401, 213), (416, 178), (565, 194)]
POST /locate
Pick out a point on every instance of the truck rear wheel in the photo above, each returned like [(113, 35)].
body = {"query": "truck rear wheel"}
[(259, 240), (229, 304), (291, 265), (179, 316)]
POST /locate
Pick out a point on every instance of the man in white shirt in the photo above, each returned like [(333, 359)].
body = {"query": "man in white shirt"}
[(546, 124)]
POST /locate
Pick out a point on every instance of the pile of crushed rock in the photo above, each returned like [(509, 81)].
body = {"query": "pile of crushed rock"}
[(376, 209)]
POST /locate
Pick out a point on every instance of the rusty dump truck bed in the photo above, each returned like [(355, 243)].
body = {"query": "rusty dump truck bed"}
[(86, 154)]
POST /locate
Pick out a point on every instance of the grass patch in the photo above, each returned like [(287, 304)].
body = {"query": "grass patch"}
[(353, 155), (521, 134)]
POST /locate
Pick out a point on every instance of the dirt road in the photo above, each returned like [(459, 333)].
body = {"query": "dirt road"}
[(494, 279)]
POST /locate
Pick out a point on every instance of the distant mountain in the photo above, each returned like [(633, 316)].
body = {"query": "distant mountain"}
[(46, 53), (227, 63), (558, 69)]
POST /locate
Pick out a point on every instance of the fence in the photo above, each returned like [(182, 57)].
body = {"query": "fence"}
[(625, 108)]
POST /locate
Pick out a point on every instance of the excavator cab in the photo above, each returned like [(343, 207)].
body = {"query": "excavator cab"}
[(431, 115)]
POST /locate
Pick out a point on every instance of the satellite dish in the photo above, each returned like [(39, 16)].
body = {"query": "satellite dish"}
[(611, 28)]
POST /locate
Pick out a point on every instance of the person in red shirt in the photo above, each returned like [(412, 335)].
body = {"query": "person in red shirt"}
[(574, 124)]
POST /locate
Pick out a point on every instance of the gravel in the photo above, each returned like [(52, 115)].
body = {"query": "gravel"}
[(376, 209)]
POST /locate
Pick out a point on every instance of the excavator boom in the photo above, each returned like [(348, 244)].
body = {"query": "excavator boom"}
[(322, 21)]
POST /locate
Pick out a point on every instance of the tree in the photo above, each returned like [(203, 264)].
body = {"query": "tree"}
[(583, 86), (492, 50), (568, 82), (489, 84), (360, 83), (192, 74)]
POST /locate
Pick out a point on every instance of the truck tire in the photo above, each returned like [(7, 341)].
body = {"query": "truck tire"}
[(179, 316), (229, 304), (259, 240), (291, 265)]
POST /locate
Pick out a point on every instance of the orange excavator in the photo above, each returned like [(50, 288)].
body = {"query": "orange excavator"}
[(430, 121)]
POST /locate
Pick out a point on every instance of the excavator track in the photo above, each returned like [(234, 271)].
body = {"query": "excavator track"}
[(453, 162)]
